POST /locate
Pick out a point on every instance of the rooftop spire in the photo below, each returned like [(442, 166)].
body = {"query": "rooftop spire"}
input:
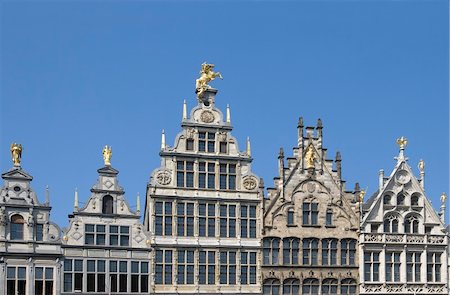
[(228, 114), (249, 152), (184, 110), (163, 140)]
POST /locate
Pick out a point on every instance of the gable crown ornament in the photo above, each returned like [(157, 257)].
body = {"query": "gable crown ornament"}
[(207, 75), (107, 155), (16, 153)]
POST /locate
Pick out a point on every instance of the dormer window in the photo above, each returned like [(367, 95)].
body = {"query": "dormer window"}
[(415, 200), (189, 144), (17, 223), (387, 200), (107, 205), (400, 199), (206, 142)]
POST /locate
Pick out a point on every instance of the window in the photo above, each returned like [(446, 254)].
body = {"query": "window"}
[(415, 200), (390, 224), (248, 268), (185, 219), (73, 275), (107, 205), (291, 287), (163, 218), (400, 199), (290, 251), (43, 281), (348, 252), (348, 287), (374, 228), (227, 267), (206, 141), (290, 217), (95, 234), (428, 229), (96, 275), (329, 217), (16, 280), (139, 276), (310, 286), (411, 224), (248, 221), (393, 267), (163, 271), (223, 147), (189, 144), (207, 267), (16, 227), (185, 174), (227, 176), (227, 221), (185, 267), (329, 251), (206, 175), (39, 234), (271, 250), (433, 267), (413, 266), (310, 251), (271, 287), (371, 266), (118, 272), (207, 220), (386, 199), (310, 213), (329, 286), (119, 235)]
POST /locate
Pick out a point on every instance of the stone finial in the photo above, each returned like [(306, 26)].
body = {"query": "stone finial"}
[(16, 153), (249, 152), (319, 124), (163, 140), (380, 180), (75, 203), (184, 110), (281, 153), (300, 122), (338, 156), (228, 119), (357, 187), (138, 204), (47, 195)]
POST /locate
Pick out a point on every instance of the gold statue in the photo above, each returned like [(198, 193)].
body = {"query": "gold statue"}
[(309, 157), (16, 153), (206, 75), (107, 154), (443, 198), (421, 166), (402, 142), (362, 193)]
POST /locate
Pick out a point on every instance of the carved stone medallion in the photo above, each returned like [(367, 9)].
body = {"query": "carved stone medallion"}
[(402, 177), (163, 177), (311, 187), (249, 183), (207, 117)]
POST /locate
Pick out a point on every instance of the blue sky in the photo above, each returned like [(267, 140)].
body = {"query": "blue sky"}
[(76, 75)]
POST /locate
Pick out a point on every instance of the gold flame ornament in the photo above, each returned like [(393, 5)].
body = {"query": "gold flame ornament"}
[(107, 155), (362, 193), (16, 153), (402, 142), (206, 75)]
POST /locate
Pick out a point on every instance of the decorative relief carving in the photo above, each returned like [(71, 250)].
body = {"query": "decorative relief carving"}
[(373, 238), (190, 132), (414, 288), (207, 117), (414, 239), (373, 288), (435, 239), (394, 288), (435, 288), (222, 136), (163, 177), (402, 177), (250, 183), (394, 238), (311, 187), (108, 184)]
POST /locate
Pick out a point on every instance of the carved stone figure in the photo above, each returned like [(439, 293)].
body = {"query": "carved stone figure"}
[(206, 75), (16, 153), (310, 157)]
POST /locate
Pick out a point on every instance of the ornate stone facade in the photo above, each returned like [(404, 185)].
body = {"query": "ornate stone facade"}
[(203, 209), (403, 242), (310, 224)]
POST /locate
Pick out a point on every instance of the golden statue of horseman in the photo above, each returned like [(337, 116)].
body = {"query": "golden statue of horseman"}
[(206, 75)]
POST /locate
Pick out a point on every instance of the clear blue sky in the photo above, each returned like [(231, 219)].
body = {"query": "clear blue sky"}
[(76, 75)]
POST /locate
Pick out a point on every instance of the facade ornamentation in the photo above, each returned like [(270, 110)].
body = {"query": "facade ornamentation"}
[(16, 153), (107, 154), (164, 177), (207, 117), (206, 75), (250, 183)]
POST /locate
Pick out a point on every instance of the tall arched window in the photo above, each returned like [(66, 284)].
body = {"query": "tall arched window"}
[(107, 205), (16, 227), (271, 250), (387, 199), (310, 286), (329, 251), (310, 251), (390, 224), (329, 286), (290, 251), (348, 251), (348, 287), (271, 287), (411, 224), (291, 287)]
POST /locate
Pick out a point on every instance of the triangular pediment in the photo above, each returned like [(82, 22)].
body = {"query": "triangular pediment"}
[(17, 174), (108, 170)]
